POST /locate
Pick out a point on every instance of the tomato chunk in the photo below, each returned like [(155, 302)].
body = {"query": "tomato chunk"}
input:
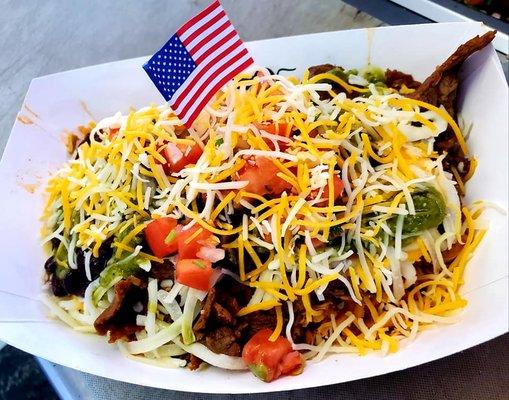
[(262, 178), (281, 129), (338, 188), (269, 360), (190, 243), (113, 132), (194, 273), (179, 156), (161, 235)]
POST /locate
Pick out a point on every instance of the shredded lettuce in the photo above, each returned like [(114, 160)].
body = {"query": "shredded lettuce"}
[(153, 342), (188, 317), (217, 360)]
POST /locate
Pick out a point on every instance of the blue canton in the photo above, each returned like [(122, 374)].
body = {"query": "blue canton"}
[(170, 67)]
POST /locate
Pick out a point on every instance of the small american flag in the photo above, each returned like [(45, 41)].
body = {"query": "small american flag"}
[(204, 54)]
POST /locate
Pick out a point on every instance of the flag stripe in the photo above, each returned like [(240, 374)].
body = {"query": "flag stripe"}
[(218, 20), (198, 19), (247, 61), (240, 66), (207, 35), (215, 61), (205, 38), (199, 70), (203, 79), (220, 39), (207, 80)]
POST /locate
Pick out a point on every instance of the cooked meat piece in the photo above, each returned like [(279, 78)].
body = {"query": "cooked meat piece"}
[(441, 86), (256, 321), (205, 311), (320, 69), (120, 318), (310, 336), (446, 142), (123, 332), (223, 341), (222, 315), (233, 295), (220, 305), (335, 291), (193, 362), (162, 271), (396, 79), (423, 267), (230, 302), (354, 308), (219, 328), (214, 326), (300, 324), (450, 254)]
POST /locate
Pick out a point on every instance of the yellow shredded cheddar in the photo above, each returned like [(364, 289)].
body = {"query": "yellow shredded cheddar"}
[(260, 169)]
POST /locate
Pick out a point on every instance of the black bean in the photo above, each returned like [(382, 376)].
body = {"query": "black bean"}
[(57, 286), (50, 265)]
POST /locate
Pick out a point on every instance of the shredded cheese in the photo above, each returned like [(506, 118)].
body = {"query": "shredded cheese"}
[(342, 170)]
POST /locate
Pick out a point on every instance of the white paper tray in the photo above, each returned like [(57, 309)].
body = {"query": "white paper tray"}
[(35, 150)]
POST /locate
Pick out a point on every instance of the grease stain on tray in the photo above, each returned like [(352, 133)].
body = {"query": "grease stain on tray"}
[(26, 107), (24, 119), (31, 186), (87, 111), (29, 117)]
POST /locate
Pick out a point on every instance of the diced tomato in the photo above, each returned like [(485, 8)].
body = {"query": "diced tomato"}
[(338, 187), (292, 364), (172, 153), (194, 273), (262, 178), (113, 132), (269, 360), (161, 235), (281, 129), (188, 248), (190, 155), (338, 191)]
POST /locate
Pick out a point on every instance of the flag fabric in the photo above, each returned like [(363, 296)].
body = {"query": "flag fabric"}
[(200, 58)]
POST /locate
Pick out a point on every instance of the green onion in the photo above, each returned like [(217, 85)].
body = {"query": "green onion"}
[(170, 237), (219, 142), (199, 264)]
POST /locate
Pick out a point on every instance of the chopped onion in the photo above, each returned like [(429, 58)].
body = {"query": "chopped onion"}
[(174, 153), (210, 254)]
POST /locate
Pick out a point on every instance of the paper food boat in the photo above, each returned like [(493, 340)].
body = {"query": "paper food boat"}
[(60, 102)]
